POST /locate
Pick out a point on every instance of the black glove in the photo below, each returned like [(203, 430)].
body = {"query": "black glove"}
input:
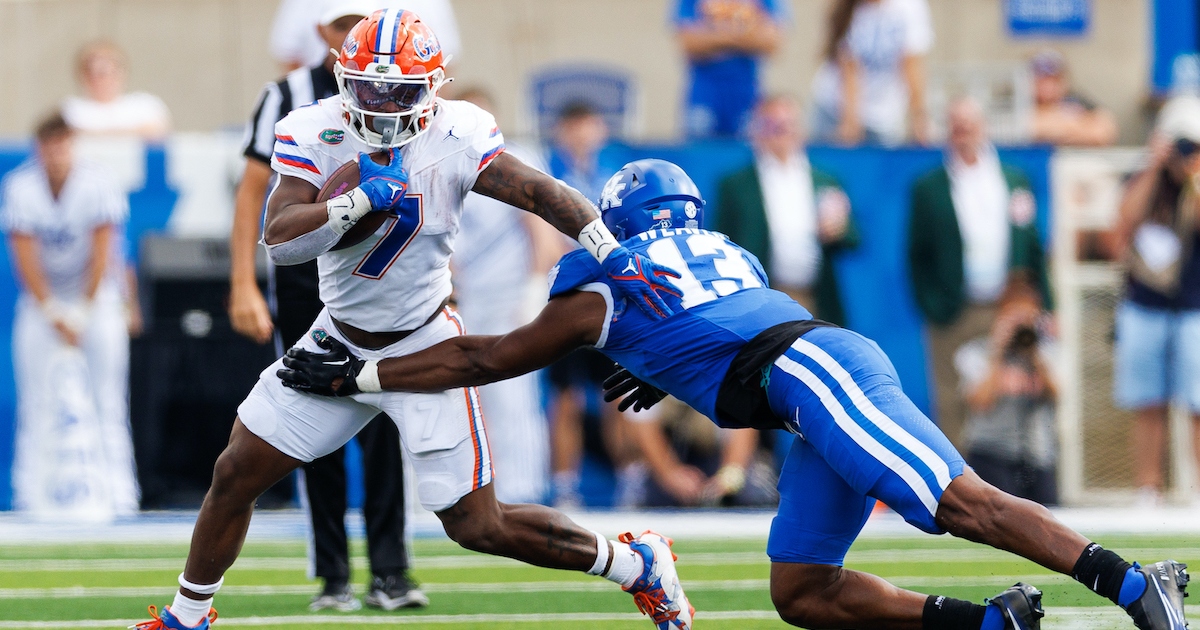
[(319, 372), (644, 395)]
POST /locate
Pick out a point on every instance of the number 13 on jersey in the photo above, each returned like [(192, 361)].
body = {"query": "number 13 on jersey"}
[(712, 267)]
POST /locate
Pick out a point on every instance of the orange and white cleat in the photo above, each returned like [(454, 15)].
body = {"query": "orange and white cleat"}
[(657, 591), (168, 621)]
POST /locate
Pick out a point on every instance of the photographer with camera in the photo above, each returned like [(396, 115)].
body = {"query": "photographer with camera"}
[(1010, 393), (1157, 354)]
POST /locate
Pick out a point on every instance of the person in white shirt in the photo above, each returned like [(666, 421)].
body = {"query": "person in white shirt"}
[(793, 217), (296, 44), (871, 86), (74, 454), (105, 107), (973, 225)]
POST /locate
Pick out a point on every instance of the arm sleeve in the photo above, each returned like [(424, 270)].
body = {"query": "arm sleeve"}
[(14, 215), (573, 270), (918, 27), (258, 143), (293, 159), (486, 143)]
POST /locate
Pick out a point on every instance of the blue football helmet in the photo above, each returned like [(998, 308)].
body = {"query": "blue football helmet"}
[(649, 194)]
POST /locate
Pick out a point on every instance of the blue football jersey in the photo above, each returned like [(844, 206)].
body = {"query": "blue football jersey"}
[(724, 301)]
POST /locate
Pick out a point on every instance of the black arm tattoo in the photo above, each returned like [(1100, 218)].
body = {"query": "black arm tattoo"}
[(510, 180)]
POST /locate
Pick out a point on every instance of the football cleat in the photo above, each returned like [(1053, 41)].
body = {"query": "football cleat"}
[(1161, 606), (397, 591), (339, 597), (657, 591), (168, 621), (1021, 605)]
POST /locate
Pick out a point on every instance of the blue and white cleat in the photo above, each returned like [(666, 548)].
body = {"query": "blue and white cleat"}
[(657, 591), (1021, 605), (1161, 606), (168, 621)]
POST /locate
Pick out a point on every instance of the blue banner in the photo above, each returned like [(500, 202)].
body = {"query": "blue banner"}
[(1048, 18)]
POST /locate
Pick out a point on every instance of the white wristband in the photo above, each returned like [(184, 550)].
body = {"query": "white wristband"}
[(596, 238), (368, 378), (345, 210)]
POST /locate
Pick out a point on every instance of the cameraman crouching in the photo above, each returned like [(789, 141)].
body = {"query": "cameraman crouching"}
[(1010, 432)]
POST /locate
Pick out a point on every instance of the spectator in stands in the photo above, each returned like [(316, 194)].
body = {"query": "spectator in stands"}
[(725, 41), (793, 217), (105, 107), (74, 455), (576, 151), (1061, 116), (973, 223), (691, 462), (576, 155), (1011, 435), (296, 44), (1157, 355), (871, 86)]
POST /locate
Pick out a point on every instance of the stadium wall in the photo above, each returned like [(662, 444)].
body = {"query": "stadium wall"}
[(209, 58)]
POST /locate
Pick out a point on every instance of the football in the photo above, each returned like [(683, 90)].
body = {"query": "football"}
[(341, 181)]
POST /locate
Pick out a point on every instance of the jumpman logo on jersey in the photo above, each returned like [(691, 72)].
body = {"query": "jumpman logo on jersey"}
[(450, 134)]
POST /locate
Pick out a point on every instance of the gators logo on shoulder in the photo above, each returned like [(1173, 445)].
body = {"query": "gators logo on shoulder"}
[(332, 136)]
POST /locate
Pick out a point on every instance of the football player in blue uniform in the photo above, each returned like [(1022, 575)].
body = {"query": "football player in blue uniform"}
[(748, 356)]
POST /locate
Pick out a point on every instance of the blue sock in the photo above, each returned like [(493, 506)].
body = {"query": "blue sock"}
[(1132, 587), (993, 618)]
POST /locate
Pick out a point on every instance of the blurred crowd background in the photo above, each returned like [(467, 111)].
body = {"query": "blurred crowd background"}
[(1001, 192)]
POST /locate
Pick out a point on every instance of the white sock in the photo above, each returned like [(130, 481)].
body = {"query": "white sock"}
[(190, 612), (627, 565)]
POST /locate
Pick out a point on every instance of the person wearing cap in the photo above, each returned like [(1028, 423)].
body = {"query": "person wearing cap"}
[(294, 44), (1157, 353), (297, 303), (973, 224), (1061, 116)]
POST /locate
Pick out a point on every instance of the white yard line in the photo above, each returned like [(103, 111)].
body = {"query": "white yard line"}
[(1056, 619), (77, 592), (874, 556)]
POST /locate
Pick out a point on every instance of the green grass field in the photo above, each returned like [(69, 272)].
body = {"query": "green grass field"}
[(109, 585)]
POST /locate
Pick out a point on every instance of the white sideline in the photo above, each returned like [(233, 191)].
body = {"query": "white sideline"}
[(479, 561), (284, 525), (1056, 619)]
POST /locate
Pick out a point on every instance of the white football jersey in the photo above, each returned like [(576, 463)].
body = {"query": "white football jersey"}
[(63, 226), (395, 279)]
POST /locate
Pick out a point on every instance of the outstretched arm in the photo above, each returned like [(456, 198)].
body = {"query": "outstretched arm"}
[(510, 180), (517, 184), (568, 321)]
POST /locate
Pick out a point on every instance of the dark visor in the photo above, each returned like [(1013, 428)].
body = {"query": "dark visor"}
[(374, 96)]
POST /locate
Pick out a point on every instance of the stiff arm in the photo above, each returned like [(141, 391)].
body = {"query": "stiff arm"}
[(569, 321)]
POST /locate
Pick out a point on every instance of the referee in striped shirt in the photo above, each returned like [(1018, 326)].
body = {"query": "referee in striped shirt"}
[(297, 304)]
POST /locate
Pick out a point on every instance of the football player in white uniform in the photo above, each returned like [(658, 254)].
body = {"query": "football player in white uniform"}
[(386, 297)]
